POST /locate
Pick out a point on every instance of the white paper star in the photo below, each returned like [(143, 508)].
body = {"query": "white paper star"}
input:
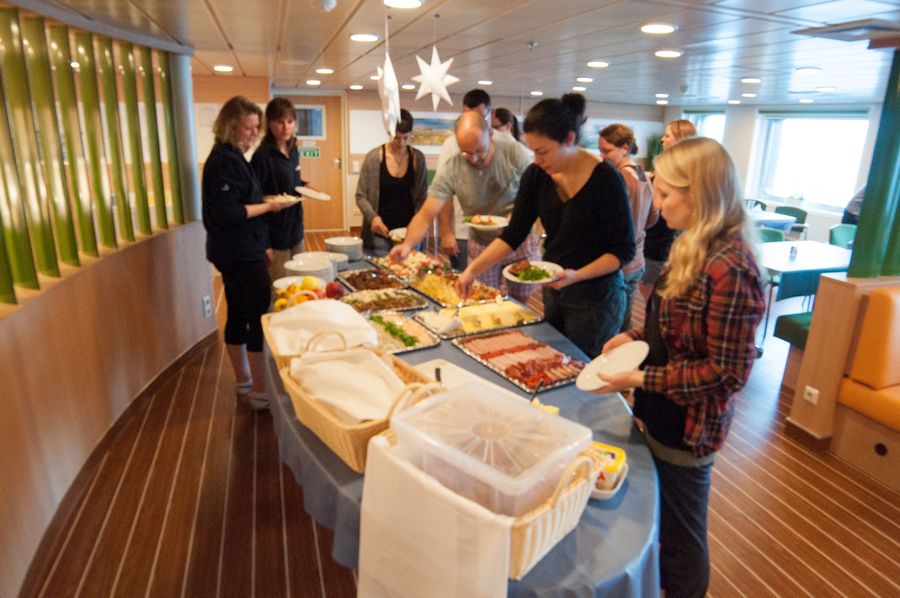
[(434, 79), (389, 90)]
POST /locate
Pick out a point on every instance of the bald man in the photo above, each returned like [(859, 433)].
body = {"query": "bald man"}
[(484, 175)]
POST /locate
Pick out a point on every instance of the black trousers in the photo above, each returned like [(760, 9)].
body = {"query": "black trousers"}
[(247, 293)]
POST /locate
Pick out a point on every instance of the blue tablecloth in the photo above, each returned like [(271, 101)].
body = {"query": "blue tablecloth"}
[(612, 552)]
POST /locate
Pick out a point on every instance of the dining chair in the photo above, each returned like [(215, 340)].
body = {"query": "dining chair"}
[(770, 235), (799, 227), (842, 235), (755, 203)]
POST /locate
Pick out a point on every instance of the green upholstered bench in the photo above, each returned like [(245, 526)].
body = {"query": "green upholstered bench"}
[(794, 328)]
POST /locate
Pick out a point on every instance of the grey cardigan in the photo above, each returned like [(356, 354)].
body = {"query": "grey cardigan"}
[(367, 188)]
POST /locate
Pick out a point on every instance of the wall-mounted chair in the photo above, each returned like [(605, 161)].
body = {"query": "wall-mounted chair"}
[(842, 235), (799, 227), (770, 235)]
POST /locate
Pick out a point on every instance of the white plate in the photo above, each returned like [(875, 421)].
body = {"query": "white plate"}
[(605, 494), (623, 358), (284, 199), (548, 266), (397, 234), (497, 223), (312, 193)]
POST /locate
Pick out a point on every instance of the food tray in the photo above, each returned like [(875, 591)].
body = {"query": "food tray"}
[(389, 344), (415, 263), (439, 288), (378, 278), (385, 300), (468, 313), (571, 363)]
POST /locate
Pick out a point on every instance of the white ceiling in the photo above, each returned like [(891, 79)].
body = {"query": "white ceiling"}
[(722, 40)]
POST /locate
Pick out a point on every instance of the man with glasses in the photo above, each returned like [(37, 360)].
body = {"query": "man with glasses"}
[(484, 175)]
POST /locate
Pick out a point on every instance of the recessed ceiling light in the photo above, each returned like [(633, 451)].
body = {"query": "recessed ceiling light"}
[(826, 89), (662, 95), (364, 37), (579, 88), (806, 100), (537, 93), (662, 102), (668, 53), (751, 80), (598, 64), (403, 3), (222, 68), (748, 95), (658, 28), (74, 64), (356, 87), (584, 80), (374, 77), (734, 102), (313, 82), (325, 71), (485, 82), (408, 86), (807, 70)]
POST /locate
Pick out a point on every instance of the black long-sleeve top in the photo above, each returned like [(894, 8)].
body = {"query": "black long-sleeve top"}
[(278, 174), (228, 185), (595, 221)]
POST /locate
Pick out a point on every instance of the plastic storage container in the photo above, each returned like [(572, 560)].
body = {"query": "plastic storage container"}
[(615, 465), (488, 447)]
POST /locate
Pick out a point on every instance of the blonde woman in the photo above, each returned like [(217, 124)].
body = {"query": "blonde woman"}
[(701, 322)]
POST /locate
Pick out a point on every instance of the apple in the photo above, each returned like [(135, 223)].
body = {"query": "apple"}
[(334, 290)]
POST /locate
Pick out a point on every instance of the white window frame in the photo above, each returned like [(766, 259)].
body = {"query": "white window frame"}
[(321, 108)]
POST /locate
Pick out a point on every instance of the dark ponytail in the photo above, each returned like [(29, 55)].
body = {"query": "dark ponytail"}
[(554, 118)]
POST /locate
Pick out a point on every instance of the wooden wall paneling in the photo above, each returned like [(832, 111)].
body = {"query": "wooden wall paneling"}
[(148, 93), (171, 145), (106, 69), (32, 190), (41, 85), (89, 94), (69, 124), (129, 87)]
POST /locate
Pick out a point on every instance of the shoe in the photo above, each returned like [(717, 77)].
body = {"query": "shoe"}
[(242, 388), (258, 401)]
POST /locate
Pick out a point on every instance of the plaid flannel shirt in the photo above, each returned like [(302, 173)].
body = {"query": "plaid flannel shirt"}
[(710, 333)]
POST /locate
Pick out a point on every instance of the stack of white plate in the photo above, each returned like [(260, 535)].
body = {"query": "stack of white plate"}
[(339, 260), (352, 247), (311, 266)]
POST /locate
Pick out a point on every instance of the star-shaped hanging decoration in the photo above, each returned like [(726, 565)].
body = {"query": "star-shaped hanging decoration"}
[(434, 79), (389, 90)]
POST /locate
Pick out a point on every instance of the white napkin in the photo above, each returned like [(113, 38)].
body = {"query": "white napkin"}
[(291, 329), (418, 538), (357, 383)]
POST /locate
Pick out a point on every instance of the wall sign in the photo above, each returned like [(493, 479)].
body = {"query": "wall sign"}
[(309, 152)]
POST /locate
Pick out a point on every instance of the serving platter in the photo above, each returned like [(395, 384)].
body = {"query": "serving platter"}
[(385, 300), (386, 324), (415, 263), (367, 279), (532, 365), (474, 319), (438, 286)]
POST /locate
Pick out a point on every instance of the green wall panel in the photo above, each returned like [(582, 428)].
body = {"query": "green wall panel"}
[(79, 190), (41, 85), (32, 190), (148, 92), (171, 145), (129, 88), (106, 69), (93, 135)]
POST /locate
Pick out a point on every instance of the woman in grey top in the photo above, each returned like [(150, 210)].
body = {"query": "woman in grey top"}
[(392, 186)]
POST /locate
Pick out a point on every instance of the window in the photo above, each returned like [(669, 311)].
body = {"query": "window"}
[(812, 156), (310, 122), (709, 124)]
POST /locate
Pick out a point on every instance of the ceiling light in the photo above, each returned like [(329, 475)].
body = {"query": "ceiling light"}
[(356, 87), (598, 64), (662, 102), (579, 88), (74, 64), (403, 3), (662, 95), (734, 102), (584, 80), (223, 68), (325, 71), (806, 100), (364, 37), (537, 93), (658, 28), (668, 53), (313, 82), (751, 80), (374, 77), (408, 86), (826, 89), (748, 95), (485, 82), (807, 70)]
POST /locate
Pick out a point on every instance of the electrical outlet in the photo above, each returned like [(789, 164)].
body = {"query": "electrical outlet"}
[(811, 394), (207, 306)]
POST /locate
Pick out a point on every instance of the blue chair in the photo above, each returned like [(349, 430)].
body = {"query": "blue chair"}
[(800, 215), (842, 235)]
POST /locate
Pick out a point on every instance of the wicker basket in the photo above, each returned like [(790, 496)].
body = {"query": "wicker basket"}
[(283, 361), (350, 442), (534, 534)]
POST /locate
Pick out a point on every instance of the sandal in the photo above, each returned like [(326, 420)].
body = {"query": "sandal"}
[(259, 401), (243, 388)]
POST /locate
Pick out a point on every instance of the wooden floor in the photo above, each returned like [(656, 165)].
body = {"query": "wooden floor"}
[(191, 500)]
